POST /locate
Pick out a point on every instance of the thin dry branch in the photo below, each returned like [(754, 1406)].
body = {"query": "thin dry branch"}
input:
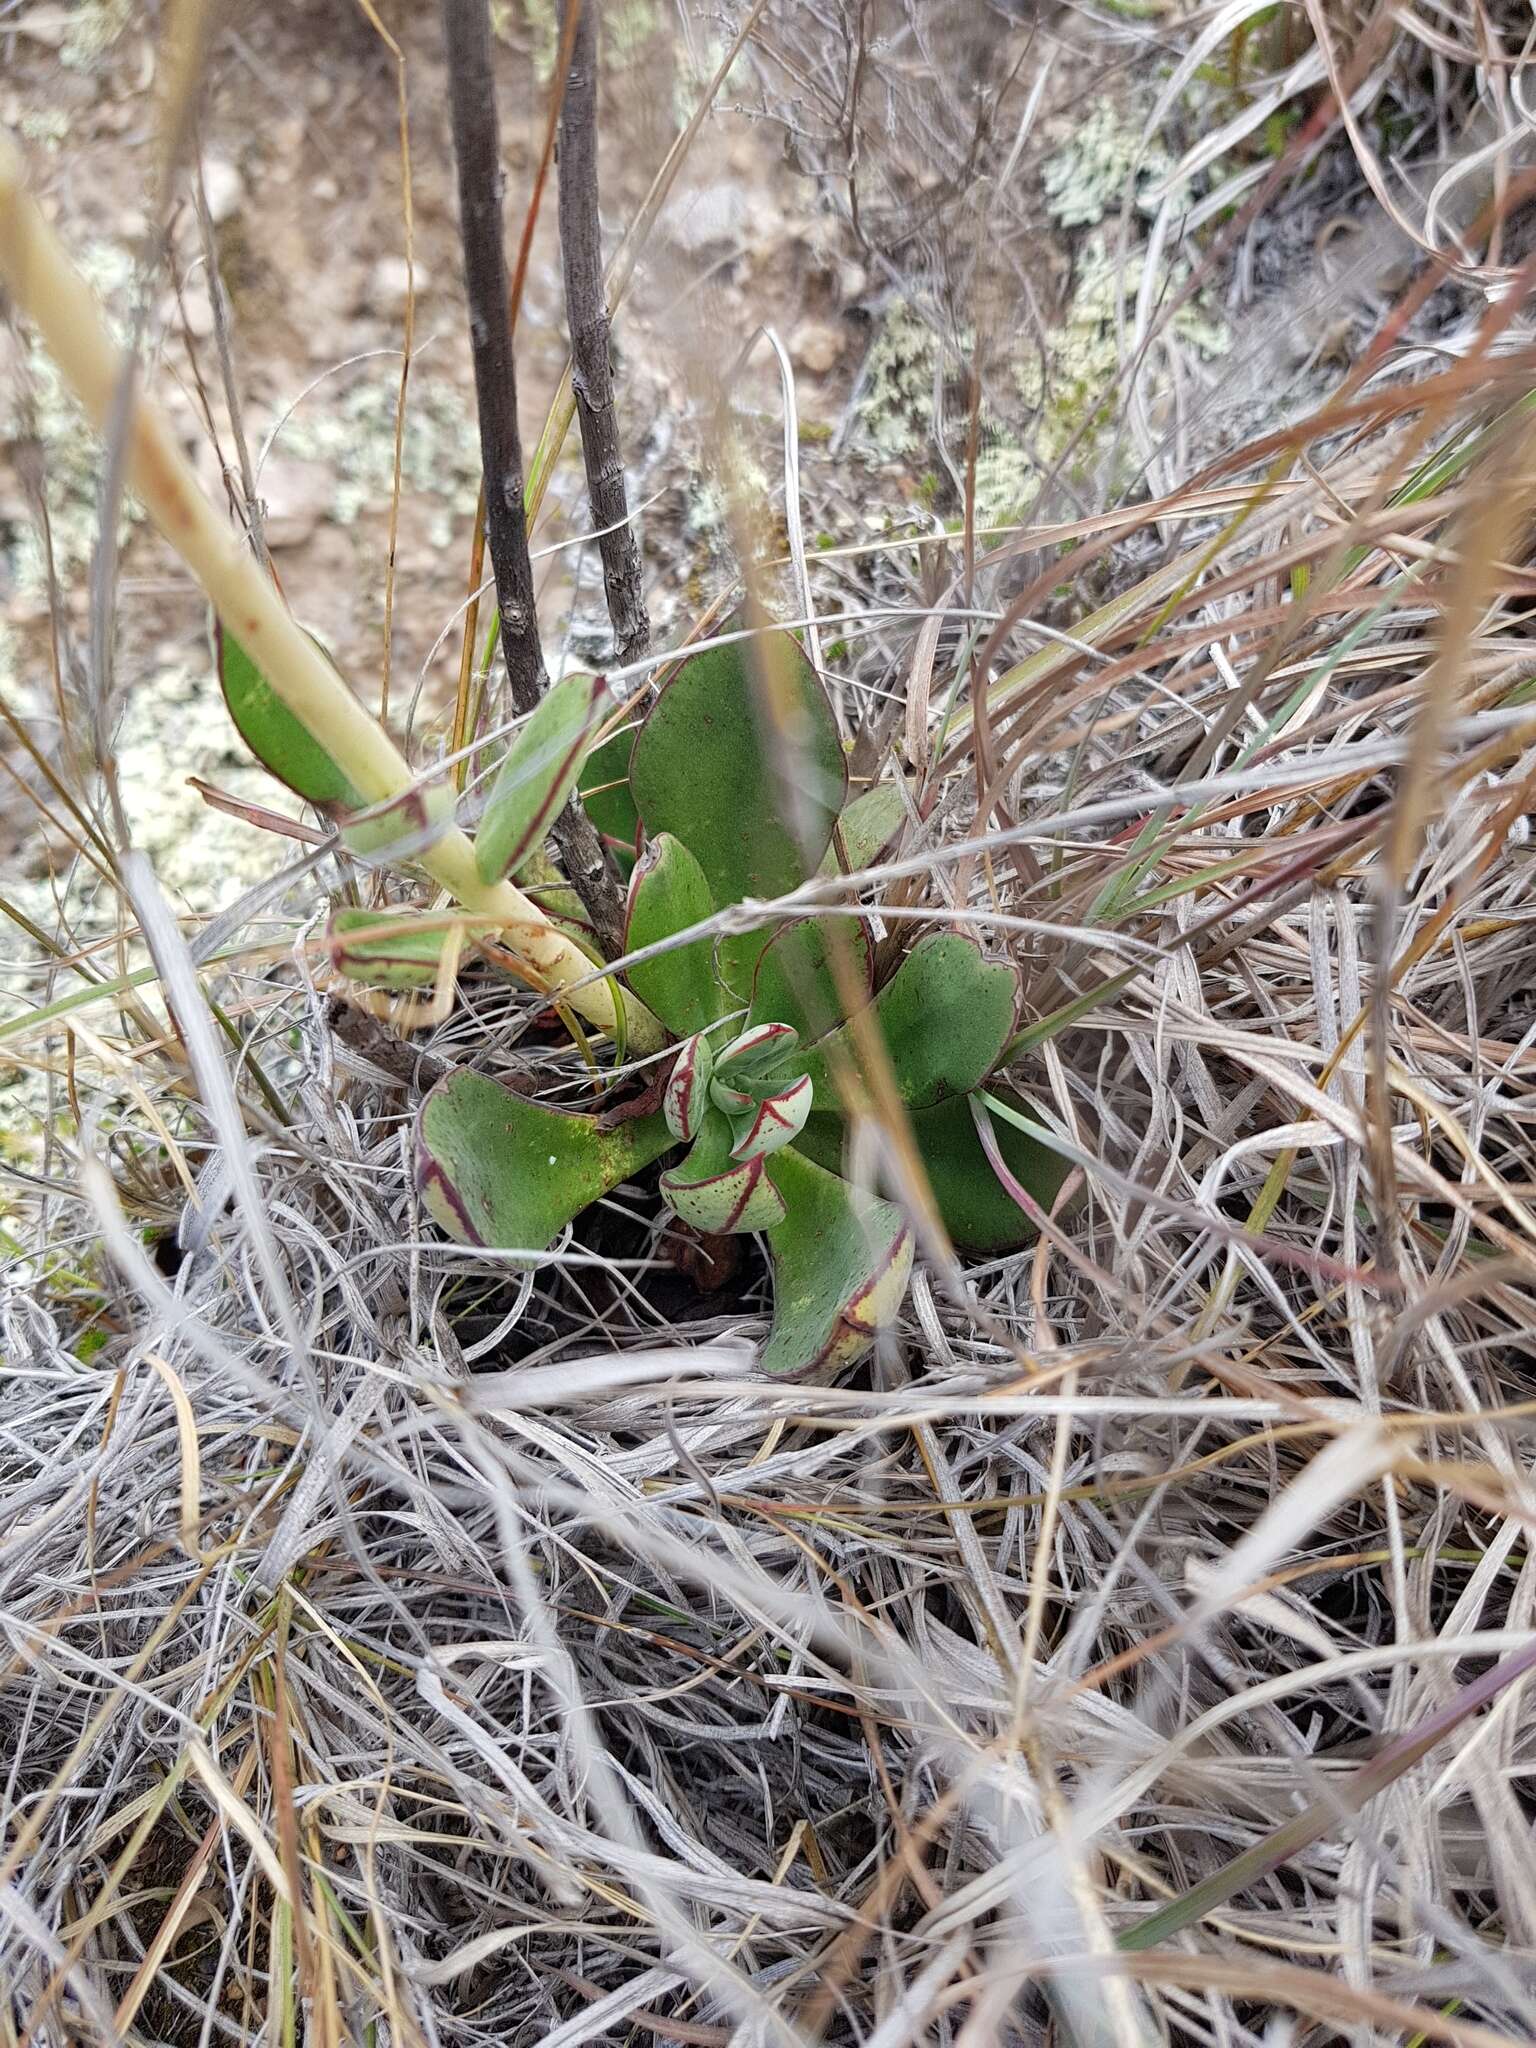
[(586, 309), (477, 153)]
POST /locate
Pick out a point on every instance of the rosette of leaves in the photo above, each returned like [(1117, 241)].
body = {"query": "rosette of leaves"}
[(734, 790)]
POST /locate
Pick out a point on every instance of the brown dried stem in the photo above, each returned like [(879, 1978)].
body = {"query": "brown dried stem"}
[(586, 307), (477, 152)]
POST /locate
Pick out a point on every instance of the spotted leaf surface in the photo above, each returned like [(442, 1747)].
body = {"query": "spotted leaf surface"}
[(687, 1093), (773, 1123), (716, 1193)]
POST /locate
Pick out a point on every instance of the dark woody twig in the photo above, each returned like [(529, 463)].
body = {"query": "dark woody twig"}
[(477, 150), (369, 1039), (586, 307)]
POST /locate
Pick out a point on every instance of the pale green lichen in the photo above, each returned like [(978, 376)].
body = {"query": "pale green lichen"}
[(627, 25), (94, 26), (354, 436), (729, 499), (174, 726), (40, 407), (202, 856), (536, 20), (896, 417), (1083, 350), (1065, 385), (1007, 480), (46, 127), (896, 407), (1086, 177)]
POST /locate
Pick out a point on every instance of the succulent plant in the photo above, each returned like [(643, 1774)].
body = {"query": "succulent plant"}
[(734, 791)]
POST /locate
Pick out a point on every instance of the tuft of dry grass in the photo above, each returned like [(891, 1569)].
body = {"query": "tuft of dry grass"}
[(403, 1646)]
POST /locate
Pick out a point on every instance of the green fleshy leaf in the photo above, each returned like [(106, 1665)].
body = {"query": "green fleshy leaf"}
[(716, 1193), (754, 1065), (978, 1211), (401, 830), (687, 1092), (945, 1015), (280, 743), (538, 774), (772, 1123), (794, 980), (866, 828), (385, 949), (730, 1100), (841, 1261), (732, 728), (606, 795), (759, 1053), (542, 882), (822, 1138), (496, 1169), (667, 894)]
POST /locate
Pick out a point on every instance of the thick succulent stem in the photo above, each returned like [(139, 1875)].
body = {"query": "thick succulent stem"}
[(477, 152), (586, 309), (49, 292)]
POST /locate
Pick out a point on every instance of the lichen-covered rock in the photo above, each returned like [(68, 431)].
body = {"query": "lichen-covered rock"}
[(896, 408), (1083, 349), (353, 436), (92, 27), (1086, 178), (36, 405)]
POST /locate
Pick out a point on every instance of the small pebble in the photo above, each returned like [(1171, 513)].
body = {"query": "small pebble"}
[(816, 346), (224, 187), (297, 496), (389, 282)]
